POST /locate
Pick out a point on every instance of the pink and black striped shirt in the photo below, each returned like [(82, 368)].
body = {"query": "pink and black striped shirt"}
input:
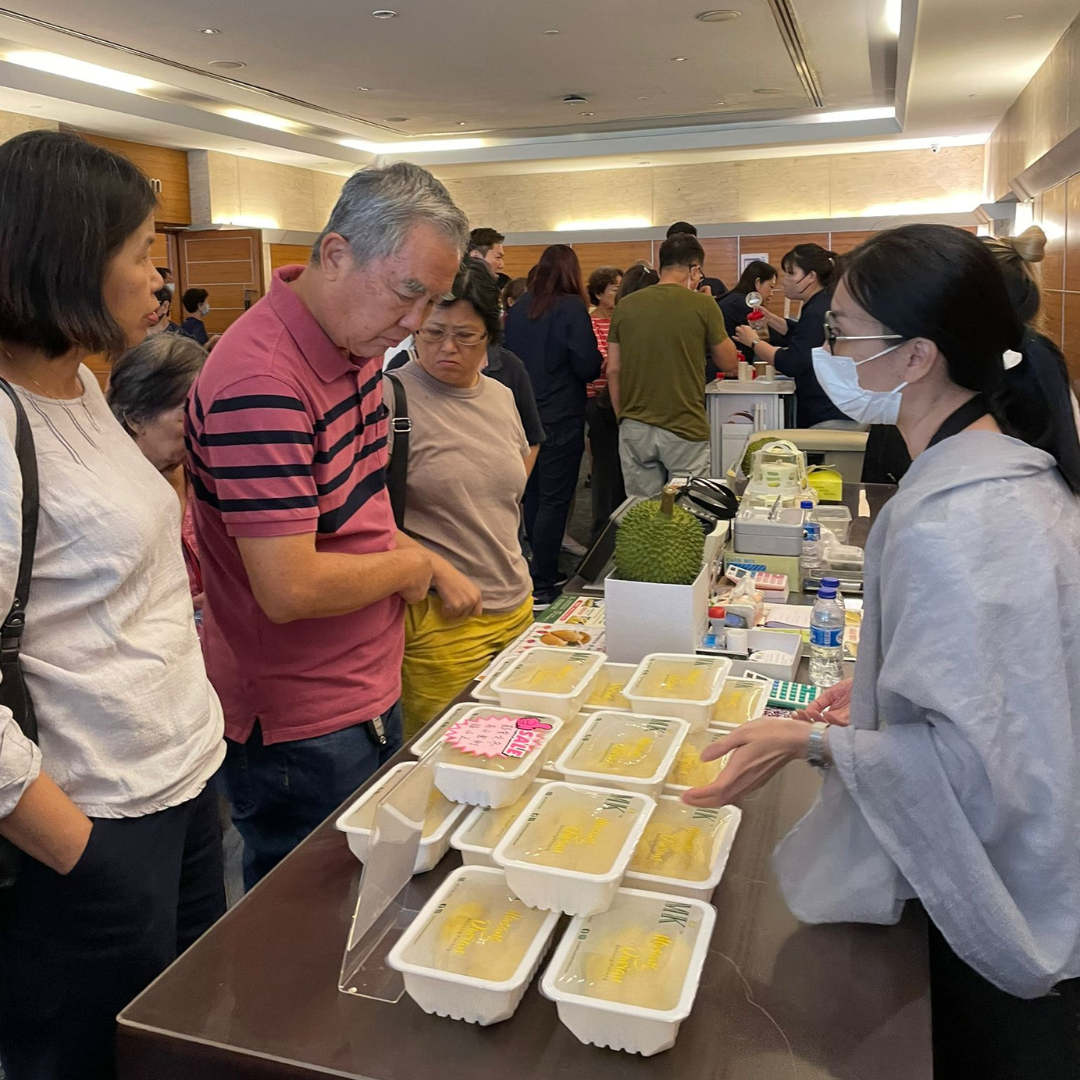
[(287, 435)]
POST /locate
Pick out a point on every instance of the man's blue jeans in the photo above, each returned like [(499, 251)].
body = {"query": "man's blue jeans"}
[(281, 793)]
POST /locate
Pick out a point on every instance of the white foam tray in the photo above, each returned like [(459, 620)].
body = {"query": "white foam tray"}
[(630, 1028), (696, 713), (485, 787), (696, 890), (649, 785), (461, 997), (432, 848), (569, 891)]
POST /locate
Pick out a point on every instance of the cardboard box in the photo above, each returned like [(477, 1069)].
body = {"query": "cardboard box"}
[(642, 617)]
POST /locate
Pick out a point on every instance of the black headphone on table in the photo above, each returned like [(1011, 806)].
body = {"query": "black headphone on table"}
[(709, 501)]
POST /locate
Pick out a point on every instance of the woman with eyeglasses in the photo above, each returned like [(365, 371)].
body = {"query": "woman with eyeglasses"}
[(951, 768), (809, 276), (467, 466)]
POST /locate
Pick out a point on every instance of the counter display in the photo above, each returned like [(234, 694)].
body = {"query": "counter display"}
[(257, 996)]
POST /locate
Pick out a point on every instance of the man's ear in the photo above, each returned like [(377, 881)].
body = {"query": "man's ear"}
[(335, 256)]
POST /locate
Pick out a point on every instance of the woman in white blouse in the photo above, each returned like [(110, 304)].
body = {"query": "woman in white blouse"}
[(121, 866)]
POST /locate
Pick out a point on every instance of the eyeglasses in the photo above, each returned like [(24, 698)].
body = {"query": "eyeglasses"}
[(434, 336), (832, 337)]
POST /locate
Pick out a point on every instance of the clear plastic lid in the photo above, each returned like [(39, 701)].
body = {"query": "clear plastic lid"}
[(637, 953), (548, 671), (607, 692), (689, 770), (623, 744), (537, 732), (577, 829), (481, 930), (740, 700), (679, 842), (678, 678), (439, 808), (487, 827)]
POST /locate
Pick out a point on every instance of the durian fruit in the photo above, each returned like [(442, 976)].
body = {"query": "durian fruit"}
[(660, 542)]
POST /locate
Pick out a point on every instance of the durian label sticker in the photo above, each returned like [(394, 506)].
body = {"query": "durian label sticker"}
[(495, 736)]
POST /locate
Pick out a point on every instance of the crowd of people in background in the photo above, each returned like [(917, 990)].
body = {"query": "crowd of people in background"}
[(356, 544)]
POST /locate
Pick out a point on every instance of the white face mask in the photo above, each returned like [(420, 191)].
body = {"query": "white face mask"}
[(839, 378), (204, 309), (171, 287)]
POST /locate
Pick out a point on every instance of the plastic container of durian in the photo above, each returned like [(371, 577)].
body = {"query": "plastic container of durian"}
[(684, 849), (483, 827), (626, 979), (607, 690), (495, 781), (740, 701), (433, 735), (678, 684), (473, 949), (357, 822), (555, 681), (570, 847), (624, 750), (688, 770)]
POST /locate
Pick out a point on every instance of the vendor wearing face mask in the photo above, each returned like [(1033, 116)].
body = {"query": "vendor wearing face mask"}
[(197, 305), (809, 273), (951, 767)]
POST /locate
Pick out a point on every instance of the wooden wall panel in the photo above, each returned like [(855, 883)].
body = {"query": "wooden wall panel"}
[(843, 242), (521, 258), (288, 255), (1052, 220), (1052, 314), (1070, 338), (161, 163), (1070, 226), (623, 255), (208, 260), (721, 258)]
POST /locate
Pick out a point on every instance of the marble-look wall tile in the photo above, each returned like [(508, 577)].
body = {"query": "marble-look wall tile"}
[(224, 179), (277, 193), (782, 189), (12, 124)]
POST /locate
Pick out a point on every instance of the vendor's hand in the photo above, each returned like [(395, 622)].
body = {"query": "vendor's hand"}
[(459, 595), (831, 706), (759, 750), (744, 335)]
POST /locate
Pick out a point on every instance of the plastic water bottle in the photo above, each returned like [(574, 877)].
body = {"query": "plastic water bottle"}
[(834, 583), (827, 639), (811, 545)]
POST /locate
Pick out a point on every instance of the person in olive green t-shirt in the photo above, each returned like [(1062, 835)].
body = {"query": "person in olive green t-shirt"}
[(657, 345)]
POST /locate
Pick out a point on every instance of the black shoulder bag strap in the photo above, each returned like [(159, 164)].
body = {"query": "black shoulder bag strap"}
[(398, 469), (13, 692)]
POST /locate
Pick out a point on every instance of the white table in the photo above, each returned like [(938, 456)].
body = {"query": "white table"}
[(768, 404)]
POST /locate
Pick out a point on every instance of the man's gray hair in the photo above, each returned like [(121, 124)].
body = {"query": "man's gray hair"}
[(380, 205)]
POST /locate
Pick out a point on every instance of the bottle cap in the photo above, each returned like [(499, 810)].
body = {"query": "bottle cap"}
[(831, 583), (826, 594), (717, 612), (756, 314), (807, 504)]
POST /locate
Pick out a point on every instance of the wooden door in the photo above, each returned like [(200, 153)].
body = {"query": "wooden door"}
[(228, 264)]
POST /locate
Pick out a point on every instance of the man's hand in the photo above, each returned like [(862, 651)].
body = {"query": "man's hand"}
[(744, 335), (420, 573), (706, 289), (459, 595), (831, 706), (759, 750)]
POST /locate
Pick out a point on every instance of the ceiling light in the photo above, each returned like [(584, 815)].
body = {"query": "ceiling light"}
[(78, 69), (678, 59), (893, 15), (604, 223), (551, 31), (768, 90), (209, 30), (415, 146), (575, 99), (586, 114), (395, 119), (251, 116), (719, 102), (1012, 17), (463, 123), (384, 14), (227, 65), (365, 89), (720, 15)]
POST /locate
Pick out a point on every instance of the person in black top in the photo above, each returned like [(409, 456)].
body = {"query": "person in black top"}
[(809, 275), (550, 329), (197, 308), (712, 285), (758, 277)]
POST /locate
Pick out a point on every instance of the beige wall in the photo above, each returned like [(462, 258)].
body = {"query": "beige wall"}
[(259, 194), (12, 124), (1046, 111), (777, 189)]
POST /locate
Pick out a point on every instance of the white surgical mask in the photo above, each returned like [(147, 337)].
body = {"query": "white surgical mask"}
[(839, 378), (204, 309), (171, 287)]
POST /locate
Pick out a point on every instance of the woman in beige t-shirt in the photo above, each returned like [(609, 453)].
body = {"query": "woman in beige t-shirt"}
[(466, 475)]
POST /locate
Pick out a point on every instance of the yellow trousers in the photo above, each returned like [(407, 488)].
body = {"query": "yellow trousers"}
[(442, 656)]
